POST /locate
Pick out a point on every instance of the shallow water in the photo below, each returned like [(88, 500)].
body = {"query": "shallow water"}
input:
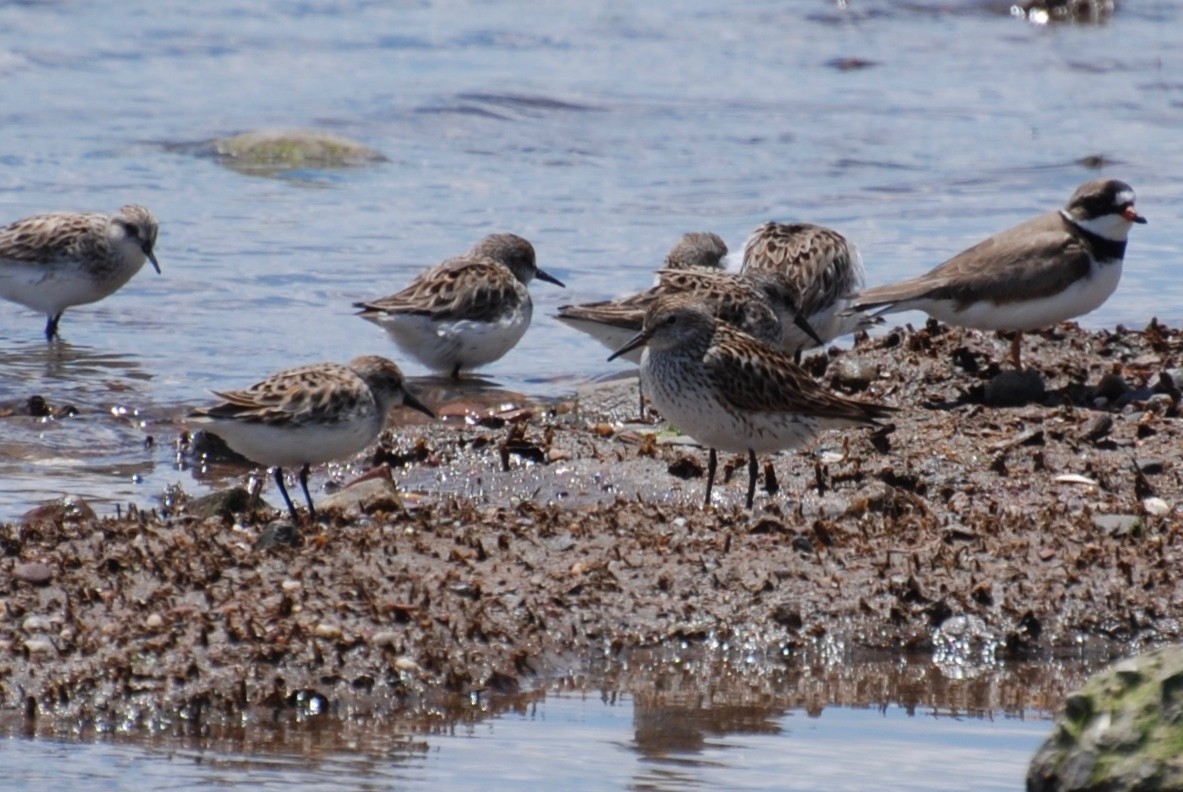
[(573, 742)]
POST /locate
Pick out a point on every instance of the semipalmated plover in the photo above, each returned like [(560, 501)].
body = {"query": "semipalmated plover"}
[(1054, 267)]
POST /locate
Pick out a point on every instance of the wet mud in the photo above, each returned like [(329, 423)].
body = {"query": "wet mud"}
[(1026, 520)]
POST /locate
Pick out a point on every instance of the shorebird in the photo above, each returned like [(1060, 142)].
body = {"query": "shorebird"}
[(1054, 267), (51, 262), (466, 312), (821, 269), (731, 392), (308, 415)]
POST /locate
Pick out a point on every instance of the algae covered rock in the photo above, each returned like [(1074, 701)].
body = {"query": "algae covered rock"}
[(292, 148), (1122, 731)]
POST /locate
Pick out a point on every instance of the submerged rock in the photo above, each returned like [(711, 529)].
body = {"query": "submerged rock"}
[(1120, 732), (292, 148)]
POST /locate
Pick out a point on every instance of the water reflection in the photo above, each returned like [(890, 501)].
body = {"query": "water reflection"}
[(652, 720)]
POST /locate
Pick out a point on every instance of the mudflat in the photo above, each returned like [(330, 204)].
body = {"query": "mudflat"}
[(525, 542)]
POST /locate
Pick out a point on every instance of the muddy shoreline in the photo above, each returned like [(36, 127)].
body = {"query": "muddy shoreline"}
[(541, 545)]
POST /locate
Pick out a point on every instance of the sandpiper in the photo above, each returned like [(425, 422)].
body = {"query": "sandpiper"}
[(821, 269), (731, 392), (51, 262), (466, 312), (760, 305), (308, 415)]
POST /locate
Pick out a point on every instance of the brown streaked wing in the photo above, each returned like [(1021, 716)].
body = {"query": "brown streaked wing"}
[(756, 378), (465, 287), (43, 238)]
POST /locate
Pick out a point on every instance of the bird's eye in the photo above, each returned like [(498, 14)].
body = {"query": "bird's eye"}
[(133, 231), (669, 320)]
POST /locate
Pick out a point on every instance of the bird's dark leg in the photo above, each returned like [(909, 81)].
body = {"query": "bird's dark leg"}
[(51, 327), (284, 492), (641, 396), (751, 477), (1016, 342), (456, 372), (712, 463), (304, 486)]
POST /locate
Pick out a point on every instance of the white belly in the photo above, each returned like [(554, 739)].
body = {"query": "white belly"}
[(695, 409), (443, 345), (611, 337), (1080, 298), (52, 289), (296, 446)]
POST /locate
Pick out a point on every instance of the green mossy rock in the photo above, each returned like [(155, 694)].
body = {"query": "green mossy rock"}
[(293, 148), (1122, 731)]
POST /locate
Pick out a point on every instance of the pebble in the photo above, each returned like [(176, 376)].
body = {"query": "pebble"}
[(154, 621), (34, 624), (1098, 427), (327, 631), (1156, 507), (33, 572), (855, 375), (406, 664), (1116, 524), (385, 638), (1014, 389), (38, 645), (1111, 387), (291, 585)]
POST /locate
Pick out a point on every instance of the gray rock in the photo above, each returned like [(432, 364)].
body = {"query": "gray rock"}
[(854, 374), (1120, 732), (223, 503), (368, 496), (1014, 389), (1117, 524)]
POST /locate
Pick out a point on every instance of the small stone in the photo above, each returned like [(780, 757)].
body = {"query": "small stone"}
[(1117, 524), (224, 503), (367, 495), (1111, 387), (1156, 507), (855, 375), (291, 585), (384, 638), (1150, 467), (1100, 426), (154, 621), (1159, 403), (406, 664), (278, 533), (1014, 389), (35, 623), (33, 572), (38, 646), (330, 631)]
